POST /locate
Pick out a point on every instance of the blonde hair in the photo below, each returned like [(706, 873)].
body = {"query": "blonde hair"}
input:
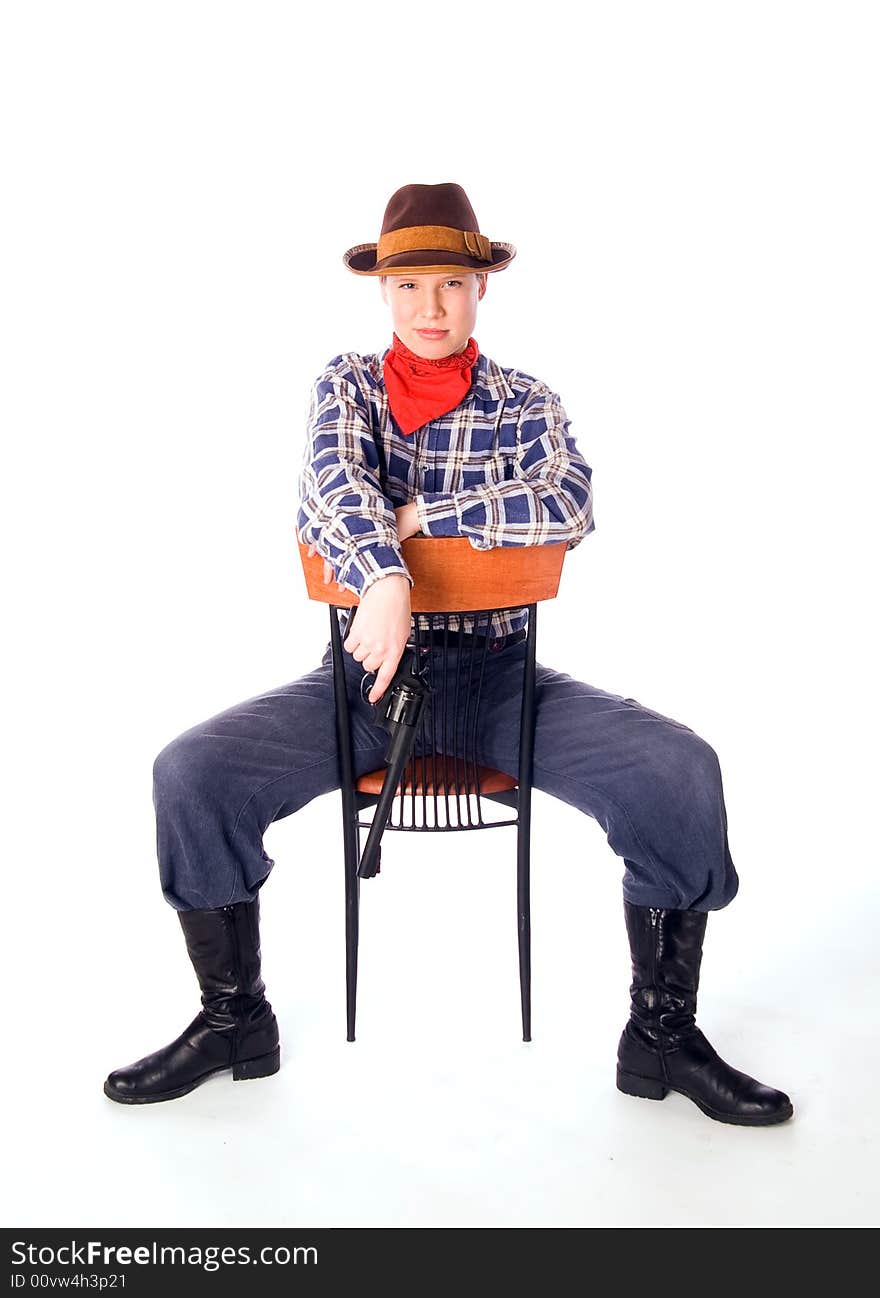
[(465, 270)]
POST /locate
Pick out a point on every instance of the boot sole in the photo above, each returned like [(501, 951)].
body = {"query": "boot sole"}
[(242, 1071), (648, 1088)]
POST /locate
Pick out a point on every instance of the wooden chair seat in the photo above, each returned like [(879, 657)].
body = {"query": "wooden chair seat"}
[(432, 778)]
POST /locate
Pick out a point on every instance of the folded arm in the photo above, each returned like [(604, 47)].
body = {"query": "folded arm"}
[(549, 498), (343, 512), (346, 518)]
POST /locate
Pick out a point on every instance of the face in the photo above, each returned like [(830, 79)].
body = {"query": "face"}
[(434, 315)]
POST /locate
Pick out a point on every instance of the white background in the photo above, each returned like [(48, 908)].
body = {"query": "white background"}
[(692, 190)]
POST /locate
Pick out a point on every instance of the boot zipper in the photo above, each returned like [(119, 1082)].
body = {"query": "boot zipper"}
[(238, 973), (656, 923)]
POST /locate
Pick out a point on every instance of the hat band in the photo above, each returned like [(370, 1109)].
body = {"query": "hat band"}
[(434, 238)]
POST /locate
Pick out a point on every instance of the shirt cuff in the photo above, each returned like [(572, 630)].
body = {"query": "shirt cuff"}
[(384, 572), (369, 564), (438, 514)]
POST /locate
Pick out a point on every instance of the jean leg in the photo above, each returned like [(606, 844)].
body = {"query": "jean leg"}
[(651, 782), (219, 785)]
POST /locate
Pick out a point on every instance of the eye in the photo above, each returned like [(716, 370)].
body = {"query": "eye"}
[(454, 281), (407, 284)]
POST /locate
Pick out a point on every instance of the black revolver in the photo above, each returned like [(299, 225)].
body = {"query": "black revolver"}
[(398, 711)]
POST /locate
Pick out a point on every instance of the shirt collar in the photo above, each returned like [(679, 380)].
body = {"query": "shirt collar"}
[(488, 381)]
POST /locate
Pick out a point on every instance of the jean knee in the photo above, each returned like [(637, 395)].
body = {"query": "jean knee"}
[(181, 768), (706, 766), (691, 770)]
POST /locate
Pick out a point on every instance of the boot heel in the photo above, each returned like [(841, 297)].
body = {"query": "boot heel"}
[(644, 1087), (264, 1066)]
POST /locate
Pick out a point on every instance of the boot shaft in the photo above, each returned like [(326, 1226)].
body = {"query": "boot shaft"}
[(224, 947), (666, 947)]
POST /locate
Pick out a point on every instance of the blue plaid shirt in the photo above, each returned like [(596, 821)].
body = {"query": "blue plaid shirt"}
[(500, 469)]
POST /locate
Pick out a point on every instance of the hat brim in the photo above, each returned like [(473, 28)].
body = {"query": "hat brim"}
[(361, 260)]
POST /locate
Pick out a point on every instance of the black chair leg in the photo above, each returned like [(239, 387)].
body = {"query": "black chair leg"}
[(524, 825), (524, 927), (352, 905), (350, 832)]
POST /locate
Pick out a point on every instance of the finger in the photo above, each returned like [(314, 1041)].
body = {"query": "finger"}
[(384, 677), (368, 658), (311, 550), (328, 571)]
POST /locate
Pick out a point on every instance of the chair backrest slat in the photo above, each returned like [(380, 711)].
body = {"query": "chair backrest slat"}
[(445, 757)]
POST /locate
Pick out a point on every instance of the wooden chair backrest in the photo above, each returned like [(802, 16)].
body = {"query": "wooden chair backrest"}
[(450, 575)]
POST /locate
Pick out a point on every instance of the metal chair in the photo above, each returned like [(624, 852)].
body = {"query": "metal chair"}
[(456, 589)]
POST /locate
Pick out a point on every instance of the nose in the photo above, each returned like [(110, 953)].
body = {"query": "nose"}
[(431, 305)]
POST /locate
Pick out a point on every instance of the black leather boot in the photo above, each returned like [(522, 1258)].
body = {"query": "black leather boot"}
[(661, 1048), (236, 1027)]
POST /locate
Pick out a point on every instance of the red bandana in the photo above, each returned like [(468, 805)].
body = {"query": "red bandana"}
[(420, 389)]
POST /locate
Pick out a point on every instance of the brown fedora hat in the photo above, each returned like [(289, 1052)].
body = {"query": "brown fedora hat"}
[(429, 229)]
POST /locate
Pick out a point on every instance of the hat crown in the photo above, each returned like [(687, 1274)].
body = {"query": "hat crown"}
[(445, 204)]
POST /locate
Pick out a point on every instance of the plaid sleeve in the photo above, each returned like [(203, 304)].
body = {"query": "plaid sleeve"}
[(549, 498), (343, 509)]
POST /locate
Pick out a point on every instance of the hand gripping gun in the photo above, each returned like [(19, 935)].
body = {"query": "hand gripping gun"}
[(398, 711)]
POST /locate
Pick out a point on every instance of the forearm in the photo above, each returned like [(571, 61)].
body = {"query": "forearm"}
[(517, 512), (545, 495), (407, 520), (344, 511)]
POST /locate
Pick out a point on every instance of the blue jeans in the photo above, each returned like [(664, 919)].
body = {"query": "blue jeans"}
[(652, 783)]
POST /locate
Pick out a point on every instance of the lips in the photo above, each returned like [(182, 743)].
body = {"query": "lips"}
[(433, 333)]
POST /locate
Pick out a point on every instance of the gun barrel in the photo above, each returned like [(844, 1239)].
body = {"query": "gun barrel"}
[(400, 716), (369, 860)]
